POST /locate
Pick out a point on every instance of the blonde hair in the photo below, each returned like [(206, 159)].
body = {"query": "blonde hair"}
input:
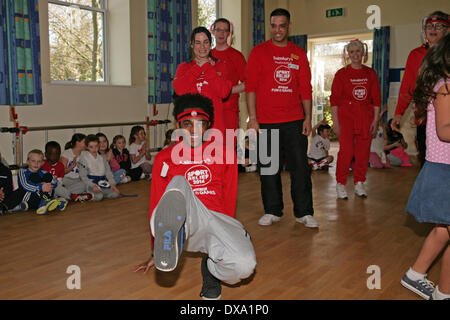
[(35, 151), (362, 45)]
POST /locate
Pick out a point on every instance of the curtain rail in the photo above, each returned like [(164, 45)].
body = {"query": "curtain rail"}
[(83, 126)]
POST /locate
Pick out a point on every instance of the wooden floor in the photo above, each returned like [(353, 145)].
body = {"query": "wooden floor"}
[(107, 239)]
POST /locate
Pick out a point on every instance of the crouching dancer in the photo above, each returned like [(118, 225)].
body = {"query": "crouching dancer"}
[(193, 202)]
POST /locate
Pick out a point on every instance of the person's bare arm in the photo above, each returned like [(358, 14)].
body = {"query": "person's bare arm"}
[(251, 108), (442, 108)]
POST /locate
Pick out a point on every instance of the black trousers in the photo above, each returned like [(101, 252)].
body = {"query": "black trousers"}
[(12, 198), (421, 143), (292, 147)]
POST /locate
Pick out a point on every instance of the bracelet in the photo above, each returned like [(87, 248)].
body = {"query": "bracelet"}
[(252, 118)]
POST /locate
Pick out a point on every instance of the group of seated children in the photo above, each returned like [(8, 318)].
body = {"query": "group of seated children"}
[(388, 148), (88, 169)]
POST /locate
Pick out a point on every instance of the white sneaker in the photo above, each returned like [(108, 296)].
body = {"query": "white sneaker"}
[(359, 190), (125, 179), (341, 192), (308, 221), (268, 219)]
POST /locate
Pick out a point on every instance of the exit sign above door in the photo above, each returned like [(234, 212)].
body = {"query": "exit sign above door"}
[(338, 12)]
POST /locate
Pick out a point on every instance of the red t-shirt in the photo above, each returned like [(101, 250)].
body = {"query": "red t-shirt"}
[(57, 169), (281, 78), (235, 63), (356, 92), (208, 80), (408, 84), (214, 183)]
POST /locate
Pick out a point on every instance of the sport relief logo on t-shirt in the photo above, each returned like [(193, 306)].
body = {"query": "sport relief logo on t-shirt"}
[(283, 73), (360, 88), (198, 176)]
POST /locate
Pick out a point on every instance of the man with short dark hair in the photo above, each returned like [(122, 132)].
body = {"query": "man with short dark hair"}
[(235, 63), (279, 95)]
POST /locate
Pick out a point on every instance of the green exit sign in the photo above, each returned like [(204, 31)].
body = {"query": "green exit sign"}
[(338, 12)]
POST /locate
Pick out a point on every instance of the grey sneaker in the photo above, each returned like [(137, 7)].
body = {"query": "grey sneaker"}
[(360, 190), (341, 192), (212, 287), (308, 221), (268, 219), (433, 296), (423, 287)]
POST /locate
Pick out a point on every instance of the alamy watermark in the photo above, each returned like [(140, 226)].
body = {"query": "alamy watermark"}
[(74, 281), (222, 149), (374, 281)]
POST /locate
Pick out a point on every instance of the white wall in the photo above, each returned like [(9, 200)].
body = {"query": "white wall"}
[(86, 104)]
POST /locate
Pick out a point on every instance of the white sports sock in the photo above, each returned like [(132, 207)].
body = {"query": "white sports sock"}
[(437, 295), (413, 275)]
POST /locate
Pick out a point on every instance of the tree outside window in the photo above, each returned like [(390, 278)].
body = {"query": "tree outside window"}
[(76, 40), (207, 12)]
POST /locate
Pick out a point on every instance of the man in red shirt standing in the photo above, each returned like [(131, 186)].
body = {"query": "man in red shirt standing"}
[(193, 199), (435, 28), (278, 84), (235, 63)]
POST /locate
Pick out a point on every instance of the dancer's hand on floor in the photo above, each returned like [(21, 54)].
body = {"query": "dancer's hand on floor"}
[(145, 265)]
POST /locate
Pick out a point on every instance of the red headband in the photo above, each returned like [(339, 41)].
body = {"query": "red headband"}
[(431, 20), (192, 113)]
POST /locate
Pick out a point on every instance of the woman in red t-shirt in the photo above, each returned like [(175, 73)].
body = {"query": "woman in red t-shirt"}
[(435, 27), (204, 75), (355, 105)]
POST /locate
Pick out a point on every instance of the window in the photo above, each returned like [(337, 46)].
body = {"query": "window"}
[(77, 40), (207, 12), (325, 58)]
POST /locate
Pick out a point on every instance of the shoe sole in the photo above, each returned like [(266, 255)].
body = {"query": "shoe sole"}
[(169, 220), (361, 195), (52, 205), (308, 225), (211, 299), (416, 291)]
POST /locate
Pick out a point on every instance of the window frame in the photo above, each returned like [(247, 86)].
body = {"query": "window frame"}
[(104, 11)]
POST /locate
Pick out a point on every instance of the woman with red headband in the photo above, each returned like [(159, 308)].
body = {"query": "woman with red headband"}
[(193, 199), (205, 75), (355, 105), (434, 28)]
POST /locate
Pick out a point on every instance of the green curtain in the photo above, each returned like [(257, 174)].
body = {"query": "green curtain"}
[(380, 60), (169, 27), (20, 68), (259, 31)]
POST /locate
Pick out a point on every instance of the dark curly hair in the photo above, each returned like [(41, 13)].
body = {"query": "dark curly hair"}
[(189, 101), (435, 66)]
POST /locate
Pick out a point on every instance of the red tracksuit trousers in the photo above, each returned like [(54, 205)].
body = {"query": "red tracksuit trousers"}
[(352, 145)]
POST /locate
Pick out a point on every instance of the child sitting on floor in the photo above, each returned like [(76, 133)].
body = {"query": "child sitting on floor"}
[(10, 200), (120, 174), (122, 156), (377, 157), (95, 171), (139, 152), (39, 185), (395, 147), (318, 157)]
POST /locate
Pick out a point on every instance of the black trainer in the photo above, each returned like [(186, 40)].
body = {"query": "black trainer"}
[(169, 231), (212, 287)]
